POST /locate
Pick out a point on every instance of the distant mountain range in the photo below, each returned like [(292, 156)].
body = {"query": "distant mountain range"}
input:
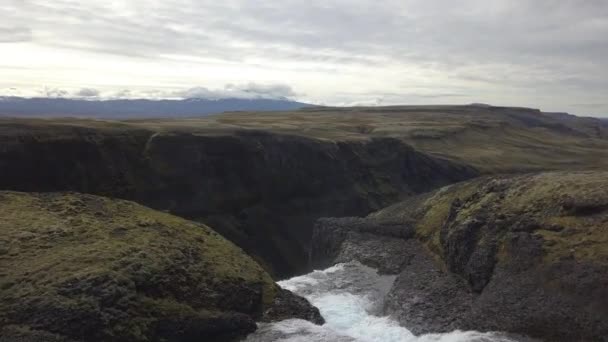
[(137, 108)]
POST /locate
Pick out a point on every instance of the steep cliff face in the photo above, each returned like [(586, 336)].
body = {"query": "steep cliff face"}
[(262, 191), (524, 254), (491, 139), (77, 267), (65, 156)]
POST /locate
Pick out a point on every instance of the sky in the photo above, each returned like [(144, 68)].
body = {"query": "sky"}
[(547, 54)]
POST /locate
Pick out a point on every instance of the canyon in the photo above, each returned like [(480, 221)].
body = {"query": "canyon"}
[(489, 218)]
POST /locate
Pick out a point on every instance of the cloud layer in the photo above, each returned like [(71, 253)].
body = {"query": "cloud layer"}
[(242, 91), (235, 91), (545, 53)]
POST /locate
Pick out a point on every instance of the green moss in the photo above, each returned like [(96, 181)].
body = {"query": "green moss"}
[(434, 212), (571, 209), (106, 258), (581, 240), (567, 210)]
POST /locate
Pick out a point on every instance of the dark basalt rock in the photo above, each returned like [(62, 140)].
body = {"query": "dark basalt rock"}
[(423, 295), (16, 333), (427, 299), (385, 254), (289, 305), (523, 254), (375, 243)]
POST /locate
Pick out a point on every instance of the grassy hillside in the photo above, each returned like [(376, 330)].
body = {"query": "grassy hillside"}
[(492, 139), (82, 267)]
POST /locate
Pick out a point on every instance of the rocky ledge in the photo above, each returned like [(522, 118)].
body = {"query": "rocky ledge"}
[(525, 254), (79, 267)]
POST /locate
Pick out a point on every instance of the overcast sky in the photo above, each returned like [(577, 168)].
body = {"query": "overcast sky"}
[(548, 54)]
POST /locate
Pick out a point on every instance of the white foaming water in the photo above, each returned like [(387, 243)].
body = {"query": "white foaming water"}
[(350, 298)]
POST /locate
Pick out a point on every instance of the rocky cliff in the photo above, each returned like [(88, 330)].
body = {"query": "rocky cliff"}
[(261, 190), (524, 254), (79, 267)]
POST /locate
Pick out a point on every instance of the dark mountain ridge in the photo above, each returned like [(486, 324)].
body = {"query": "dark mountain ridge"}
[(137, 108)]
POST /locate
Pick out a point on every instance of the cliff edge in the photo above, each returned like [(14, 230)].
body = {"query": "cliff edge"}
[(523, 254)]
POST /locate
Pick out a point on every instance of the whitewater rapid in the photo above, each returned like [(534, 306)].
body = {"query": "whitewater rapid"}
[(350, 298)]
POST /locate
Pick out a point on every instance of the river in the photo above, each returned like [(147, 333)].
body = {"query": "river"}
[(350, 298)]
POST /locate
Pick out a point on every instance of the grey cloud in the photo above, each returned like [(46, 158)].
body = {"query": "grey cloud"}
[(244, 91), (87, 92), (123, 94), (264, 90), (197, 92), (441, 95), (15, 34), (54, 92), (336, 31)]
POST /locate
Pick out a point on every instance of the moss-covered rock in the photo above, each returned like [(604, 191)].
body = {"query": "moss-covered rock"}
[(567, 211), (524, 254), (85, 268)]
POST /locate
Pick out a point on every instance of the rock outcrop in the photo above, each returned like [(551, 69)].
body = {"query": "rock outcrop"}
[(288, 305), (523, 254), (79, 267), (262, 191)]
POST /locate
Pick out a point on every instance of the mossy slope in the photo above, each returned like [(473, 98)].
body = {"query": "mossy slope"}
[(567, 210), (80, 267), (533, 250)]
